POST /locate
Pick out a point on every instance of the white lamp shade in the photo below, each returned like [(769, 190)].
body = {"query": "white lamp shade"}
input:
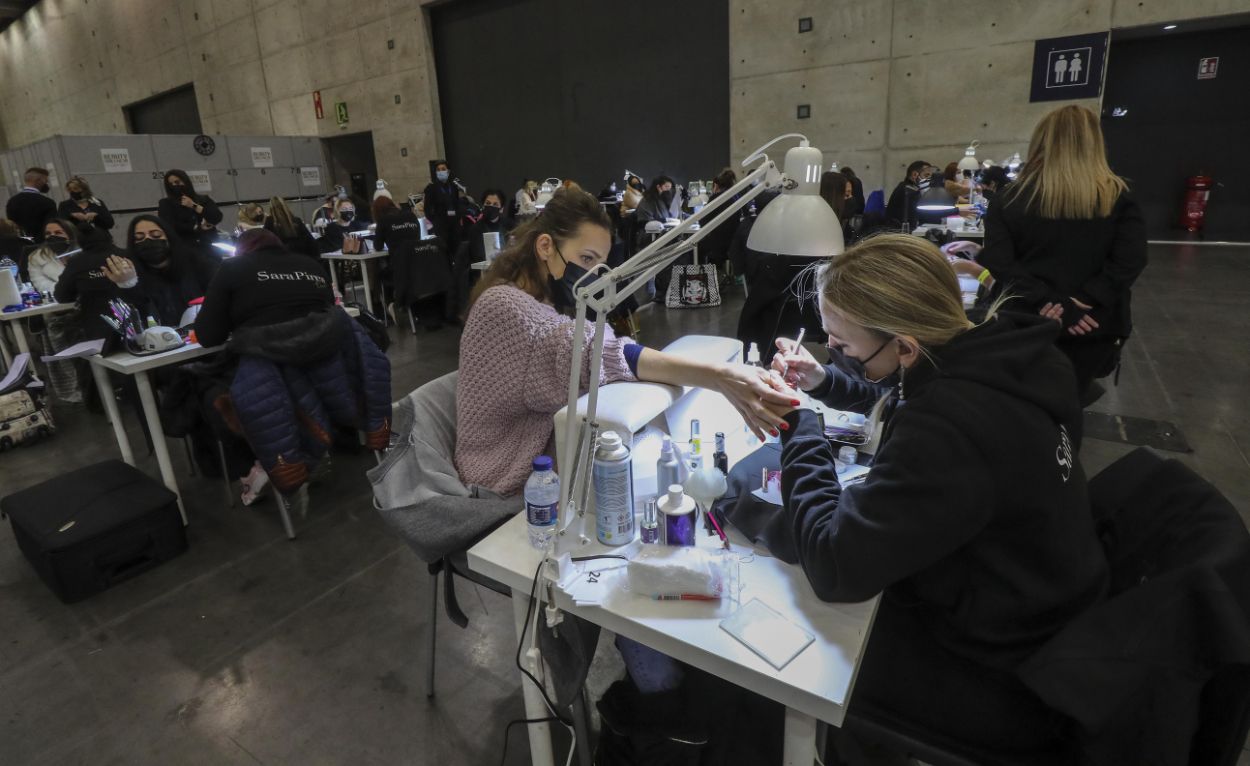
[(797, 224), (969, 161), (799, 221)]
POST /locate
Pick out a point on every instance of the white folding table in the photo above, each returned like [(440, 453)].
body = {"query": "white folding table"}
[(815, 686), (18, 317), (139, 366), (363, 259)]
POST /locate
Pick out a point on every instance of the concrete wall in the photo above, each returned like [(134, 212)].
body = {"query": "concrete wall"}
[(69, 66), (888, 81), (894, 81)]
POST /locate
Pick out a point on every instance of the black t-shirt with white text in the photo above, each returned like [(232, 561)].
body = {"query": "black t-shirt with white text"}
[(261, 288)]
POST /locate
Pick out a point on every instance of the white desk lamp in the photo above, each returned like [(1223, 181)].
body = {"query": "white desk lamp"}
[(969, 161), (798, 222)]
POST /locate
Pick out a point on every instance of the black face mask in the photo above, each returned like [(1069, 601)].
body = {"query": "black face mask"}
[(491, 212), (667, 197), (58, 244), (347, 215), (175, 191), (152, 252), (76, 195), (855, 368), (562, 288)]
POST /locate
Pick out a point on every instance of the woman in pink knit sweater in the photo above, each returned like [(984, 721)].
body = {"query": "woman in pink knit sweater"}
[(517, 348)]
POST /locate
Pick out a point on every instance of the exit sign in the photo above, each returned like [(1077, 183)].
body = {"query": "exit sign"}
[(1208, 67), (340, 112)]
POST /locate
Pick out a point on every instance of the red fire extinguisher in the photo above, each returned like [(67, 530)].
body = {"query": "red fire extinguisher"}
[(1197, 190)]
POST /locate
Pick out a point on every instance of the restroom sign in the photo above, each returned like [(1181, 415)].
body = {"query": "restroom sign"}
[(1208, 67), (1068, 67)]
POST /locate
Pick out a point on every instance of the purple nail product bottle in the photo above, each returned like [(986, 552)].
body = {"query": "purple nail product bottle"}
[(679, 513)]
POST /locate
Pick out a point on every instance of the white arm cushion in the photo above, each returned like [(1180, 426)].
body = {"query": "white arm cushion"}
[(628, 407)]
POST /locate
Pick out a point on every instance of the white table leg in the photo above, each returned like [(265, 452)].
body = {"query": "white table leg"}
[(4, 350), (109, 401), (22, 346), (153, 416), (539, 733), (364, 276), (800, 739), (334, 276)]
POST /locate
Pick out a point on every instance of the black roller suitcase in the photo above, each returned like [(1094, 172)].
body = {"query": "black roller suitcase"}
[(94, 527)]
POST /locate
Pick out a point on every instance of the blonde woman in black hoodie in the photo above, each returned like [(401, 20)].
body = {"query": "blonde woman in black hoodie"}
[(974, 520), (1067, 241)]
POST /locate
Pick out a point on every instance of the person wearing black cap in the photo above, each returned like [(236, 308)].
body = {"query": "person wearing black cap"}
[(190, 214)]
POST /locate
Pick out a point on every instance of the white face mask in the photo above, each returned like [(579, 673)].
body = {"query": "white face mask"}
[(443, 175)]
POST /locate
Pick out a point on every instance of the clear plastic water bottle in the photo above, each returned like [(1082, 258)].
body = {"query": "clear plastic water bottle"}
[(8, 263), (542, 502)]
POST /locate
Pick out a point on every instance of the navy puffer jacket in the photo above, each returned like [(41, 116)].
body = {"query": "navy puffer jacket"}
[(298, 380)]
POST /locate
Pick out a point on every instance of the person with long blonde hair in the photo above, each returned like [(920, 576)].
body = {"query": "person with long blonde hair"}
[(1067, 241), (974, 520), (83, 207)]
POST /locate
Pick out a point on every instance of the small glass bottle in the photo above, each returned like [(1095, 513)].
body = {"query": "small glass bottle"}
[(720, 460), (650, 527)]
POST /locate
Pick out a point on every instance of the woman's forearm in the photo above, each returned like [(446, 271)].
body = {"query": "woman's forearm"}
[(760, 400), (659, 367)]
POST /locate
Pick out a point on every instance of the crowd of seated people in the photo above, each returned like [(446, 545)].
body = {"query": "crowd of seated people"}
[(997, 570)]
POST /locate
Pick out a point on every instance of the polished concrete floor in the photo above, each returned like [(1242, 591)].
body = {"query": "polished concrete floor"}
[(252, 649)]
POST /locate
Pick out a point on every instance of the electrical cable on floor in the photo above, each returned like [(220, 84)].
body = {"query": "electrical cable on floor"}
[(555, 715), (503, 758)]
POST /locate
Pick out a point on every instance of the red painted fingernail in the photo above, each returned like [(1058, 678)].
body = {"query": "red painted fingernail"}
[(784, 426), (795, 402), (774, 432)]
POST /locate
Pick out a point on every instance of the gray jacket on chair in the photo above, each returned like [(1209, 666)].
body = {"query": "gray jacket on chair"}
[(417, 489)]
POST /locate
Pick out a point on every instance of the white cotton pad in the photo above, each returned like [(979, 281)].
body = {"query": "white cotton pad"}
[(662, 570)]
